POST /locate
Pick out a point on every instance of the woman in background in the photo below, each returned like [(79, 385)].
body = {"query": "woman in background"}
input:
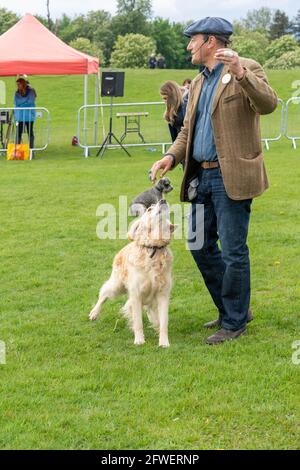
[(24, 98), (175, 98)]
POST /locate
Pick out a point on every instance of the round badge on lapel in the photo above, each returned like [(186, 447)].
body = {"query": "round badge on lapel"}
[(226, 79)]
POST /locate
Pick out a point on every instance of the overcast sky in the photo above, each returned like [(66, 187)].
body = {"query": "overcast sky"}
[(175, 10)]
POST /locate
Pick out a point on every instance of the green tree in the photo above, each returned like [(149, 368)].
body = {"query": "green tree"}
[(279, 46), (183, 58), (132, 51), (258, 20), (288, 60), (170, 42), (86, 46), (239, 27), (165, 38), (295, 26), (95, 26), (100, 22), (7, 19), (280, 24), (64, 28), (132, 22), (127, 6), (252, 44), (132, 17)]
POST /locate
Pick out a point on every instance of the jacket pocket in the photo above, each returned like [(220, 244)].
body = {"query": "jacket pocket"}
[(229, 99), (251, 156)]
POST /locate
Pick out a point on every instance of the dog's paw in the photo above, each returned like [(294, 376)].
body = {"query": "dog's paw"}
[(139, 340), (93, 315), (164, 343)]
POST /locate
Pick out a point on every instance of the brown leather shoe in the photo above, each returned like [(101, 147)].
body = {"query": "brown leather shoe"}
[(224, 335), (217, 323)]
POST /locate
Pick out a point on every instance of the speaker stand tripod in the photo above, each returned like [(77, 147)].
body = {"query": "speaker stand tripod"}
[(110, 135)]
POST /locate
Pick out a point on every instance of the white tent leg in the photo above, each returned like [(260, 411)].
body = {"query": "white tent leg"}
[(86, 77), (96, 113), (102, 113)]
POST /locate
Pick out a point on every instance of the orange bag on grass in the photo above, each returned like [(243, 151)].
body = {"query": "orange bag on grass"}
[(18, 152)]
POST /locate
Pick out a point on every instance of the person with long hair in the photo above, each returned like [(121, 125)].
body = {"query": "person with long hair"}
[(175, 99), (24, 98)]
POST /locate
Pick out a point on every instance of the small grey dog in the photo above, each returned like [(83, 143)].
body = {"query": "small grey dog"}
[(144, 200)]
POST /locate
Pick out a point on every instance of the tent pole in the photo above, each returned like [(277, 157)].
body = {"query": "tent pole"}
[(86, 150), (102, 113), (96, 113)]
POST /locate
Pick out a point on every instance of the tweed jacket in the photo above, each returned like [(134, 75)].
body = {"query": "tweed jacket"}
[(235, 115)]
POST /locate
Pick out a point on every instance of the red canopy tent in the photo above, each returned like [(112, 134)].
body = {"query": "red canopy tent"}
[(30, 48)]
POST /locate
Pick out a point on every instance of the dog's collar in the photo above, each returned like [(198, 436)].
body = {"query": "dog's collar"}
[(154, 249)]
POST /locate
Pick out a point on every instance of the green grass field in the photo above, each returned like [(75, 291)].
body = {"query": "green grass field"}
[(72, 384)]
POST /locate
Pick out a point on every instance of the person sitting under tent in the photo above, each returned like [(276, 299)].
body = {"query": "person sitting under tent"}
[(24, 98)]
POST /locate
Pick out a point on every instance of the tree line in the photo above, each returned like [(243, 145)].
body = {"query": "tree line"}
[(128, 38)]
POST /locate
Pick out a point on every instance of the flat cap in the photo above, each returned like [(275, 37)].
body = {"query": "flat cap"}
[(209, 25)]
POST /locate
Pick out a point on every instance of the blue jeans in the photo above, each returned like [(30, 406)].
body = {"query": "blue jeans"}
[(226, 272)]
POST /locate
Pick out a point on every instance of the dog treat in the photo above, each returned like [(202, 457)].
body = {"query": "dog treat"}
[(228, 54)]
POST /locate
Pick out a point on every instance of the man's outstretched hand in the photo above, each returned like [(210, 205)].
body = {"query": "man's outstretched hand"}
[(164, 165)]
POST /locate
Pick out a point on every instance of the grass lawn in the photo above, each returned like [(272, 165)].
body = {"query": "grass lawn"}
[(72, 384)]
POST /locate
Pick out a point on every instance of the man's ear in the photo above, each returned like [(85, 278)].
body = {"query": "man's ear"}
[(132, 230)]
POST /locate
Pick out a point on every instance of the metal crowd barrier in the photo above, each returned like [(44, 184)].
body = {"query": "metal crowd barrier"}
[(136, 124), (273, 125), (11, 130), (142, 124), (292, 126)]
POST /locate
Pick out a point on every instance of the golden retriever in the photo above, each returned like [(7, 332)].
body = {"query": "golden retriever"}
[(142, 269)]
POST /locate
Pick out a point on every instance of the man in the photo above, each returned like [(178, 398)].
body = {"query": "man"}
[(152, 61), (220, 142)]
